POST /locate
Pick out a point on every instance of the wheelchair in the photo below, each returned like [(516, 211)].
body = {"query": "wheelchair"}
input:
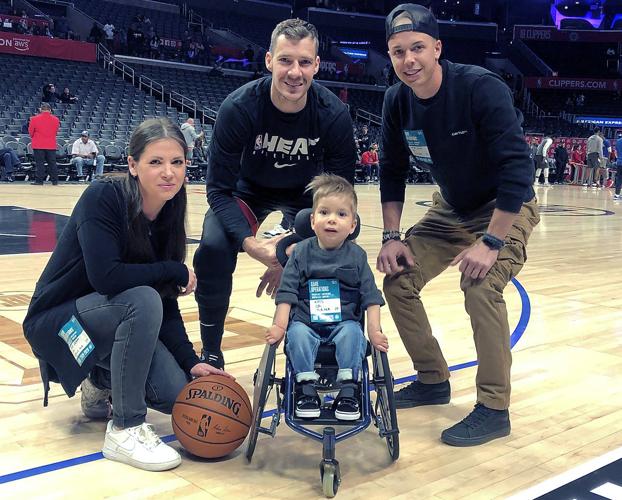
[(381, 411)]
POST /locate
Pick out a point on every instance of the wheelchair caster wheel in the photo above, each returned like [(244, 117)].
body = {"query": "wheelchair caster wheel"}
[(331, 477)]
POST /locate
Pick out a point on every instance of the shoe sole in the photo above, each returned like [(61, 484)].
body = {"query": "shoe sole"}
[(98, 414), (347, 416), (464, 442), (400, 405), (307, 413), (120, 457)]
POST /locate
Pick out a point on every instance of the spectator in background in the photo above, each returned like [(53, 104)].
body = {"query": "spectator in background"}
[(541, 160), (154, 47), (43, 129), (85, 152), (618, 183), (561, 158), (602, 164), (594, 154), (249, 53), (363, 141), (49, 94), (109, 34), (67, 97), (577, 164), (96, 35), (343, 95), (190, 135), (9, 161), (370, 163)]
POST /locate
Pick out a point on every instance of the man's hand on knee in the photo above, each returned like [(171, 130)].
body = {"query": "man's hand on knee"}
[(476, 261), (392, 257)]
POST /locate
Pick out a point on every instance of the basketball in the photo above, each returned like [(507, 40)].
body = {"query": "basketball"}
[(211, 416)]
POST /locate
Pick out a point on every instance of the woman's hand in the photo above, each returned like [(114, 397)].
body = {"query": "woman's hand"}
[(191, 286), (203, 370)]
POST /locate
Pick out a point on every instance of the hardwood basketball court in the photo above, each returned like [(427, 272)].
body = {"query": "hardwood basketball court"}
[(565, 312)]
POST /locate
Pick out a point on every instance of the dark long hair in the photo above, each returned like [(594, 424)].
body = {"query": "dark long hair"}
[(164, 238)]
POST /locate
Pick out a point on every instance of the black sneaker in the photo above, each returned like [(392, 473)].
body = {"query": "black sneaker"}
[(36, 183), (418, 394), (307, 401), (214, 358), (346, 403), (480, 426)]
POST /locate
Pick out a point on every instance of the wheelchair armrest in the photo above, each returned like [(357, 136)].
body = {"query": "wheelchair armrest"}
[(282, 245)]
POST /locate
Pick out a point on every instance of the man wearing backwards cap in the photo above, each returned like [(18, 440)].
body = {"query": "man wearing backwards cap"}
[(459, 122)]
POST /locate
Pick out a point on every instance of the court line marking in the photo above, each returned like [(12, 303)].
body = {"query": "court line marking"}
[(516, 335), (567, 477)]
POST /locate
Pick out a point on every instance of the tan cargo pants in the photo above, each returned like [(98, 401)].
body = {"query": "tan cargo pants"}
[(434, 241)]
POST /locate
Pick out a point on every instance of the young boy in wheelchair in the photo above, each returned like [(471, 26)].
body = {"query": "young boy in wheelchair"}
[(326, 285)]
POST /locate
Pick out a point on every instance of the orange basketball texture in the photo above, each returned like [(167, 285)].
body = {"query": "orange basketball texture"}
[(211, 416)]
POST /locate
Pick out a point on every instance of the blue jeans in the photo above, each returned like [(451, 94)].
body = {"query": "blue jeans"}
[(138, 368), (79, 162), (10, 160), (303, 343)]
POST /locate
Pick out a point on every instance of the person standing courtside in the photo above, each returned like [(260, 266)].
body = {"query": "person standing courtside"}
[(271, 137), (594, 150), (480, 220), (43, 129)]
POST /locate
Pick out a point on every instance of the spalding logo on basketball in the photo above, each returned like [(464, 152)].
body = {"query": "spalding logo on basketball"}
[(212, 416)]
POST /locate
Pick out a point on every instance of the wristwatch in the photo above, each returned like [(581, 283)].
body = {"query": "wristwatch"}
[(492, 242), (391, 234)]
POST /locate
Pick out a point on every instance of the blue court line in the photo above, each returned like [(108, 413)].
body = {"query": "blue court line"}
[(63, 464)]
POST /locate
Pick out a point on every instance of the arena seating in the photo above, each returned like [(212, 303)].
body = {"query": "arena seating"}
[(108, 107)]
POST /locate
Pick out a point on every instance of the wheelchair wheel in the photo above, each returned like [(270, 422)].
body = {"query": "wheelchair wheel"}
[(331, 478), (385, 404), (263, 380)]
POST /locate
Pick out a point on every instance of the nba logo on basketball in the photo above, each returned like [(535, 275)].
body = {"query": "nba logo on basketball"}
[(204, 425)]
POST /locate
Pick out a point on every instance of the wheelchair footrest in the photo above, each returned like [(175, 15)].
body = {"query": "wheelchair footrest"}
[(327, 417)]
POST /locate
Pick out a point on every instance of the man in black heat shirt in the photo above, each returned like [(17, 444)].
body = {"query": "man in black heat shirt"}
[(271, 137), (459, 121)]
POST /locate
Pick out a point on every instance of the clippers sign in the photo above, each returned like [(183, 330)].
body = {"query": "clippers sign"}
[(552, 34), (560, 83), (42, 46)]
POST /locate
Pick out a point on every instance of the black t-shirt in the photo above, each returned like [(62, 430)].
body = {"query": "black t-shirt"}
[(255, 144)]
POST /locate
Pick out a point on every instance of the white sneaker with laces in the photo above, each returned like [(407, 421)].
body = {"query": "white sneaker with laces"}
[(95, 402), (278, 229), (139, 447)]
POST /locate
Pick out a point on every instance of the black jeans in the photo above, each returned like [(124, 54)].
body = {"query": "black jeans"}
[(216, 258), (49, 156), (137, 366)]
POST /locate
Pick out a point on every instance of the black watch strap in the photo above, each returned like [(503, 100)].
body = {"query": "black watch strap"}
[(493, 242)]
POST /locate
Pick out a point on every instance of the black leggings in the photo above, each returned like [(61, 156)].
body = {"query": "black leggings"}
[(215, 261)]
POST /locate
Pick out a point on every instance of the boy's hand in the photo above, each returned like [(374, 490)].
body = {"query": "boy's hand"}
[(274, 334), (379, 340)]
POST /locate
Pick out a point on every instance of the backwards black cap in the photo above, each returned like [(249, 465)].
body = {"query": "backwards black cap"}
[(421, 20)]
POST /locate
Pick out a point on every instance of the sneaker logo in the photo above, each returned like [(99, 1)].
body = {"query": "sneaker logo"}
[(206, 420), (283, 165)]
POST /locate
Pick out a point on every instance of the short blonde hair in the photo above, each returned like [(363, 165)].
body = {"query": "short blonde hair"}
[(324, 185)]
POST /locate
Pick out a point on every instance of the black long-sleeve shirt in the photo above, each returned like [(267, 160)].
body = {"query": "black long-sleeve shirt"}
[(256, 144), (88, 258), (469, 135)]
